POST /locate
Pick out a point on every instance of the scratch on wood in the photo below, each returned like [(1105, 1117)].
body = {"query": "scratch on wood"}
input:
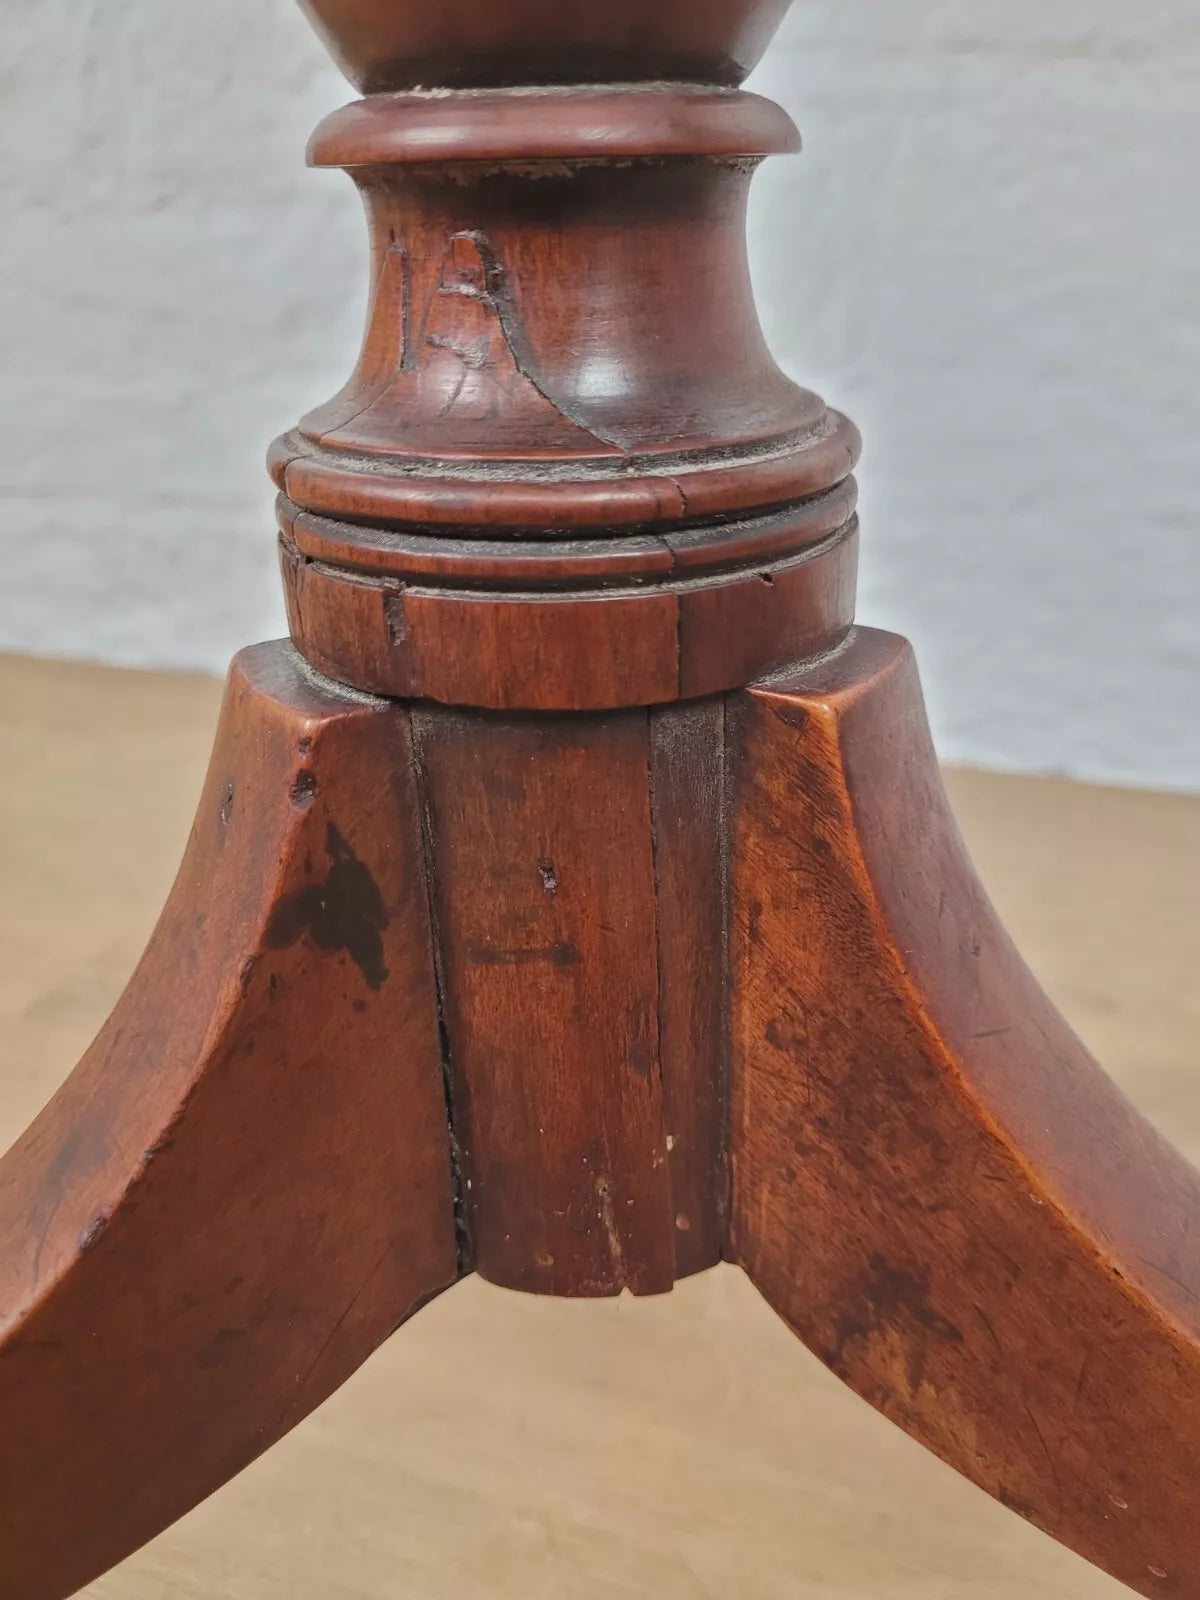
[(607, 1217), (554, 955), (458, 1182)]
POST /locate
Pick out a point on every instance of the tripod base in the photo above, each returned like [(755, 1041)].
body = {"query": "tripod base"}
[(589, 1001), (246, 1184), (934, 1183)]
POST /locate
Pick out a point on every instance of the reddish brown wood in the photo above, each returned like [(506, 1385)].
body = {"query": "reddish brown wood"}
[(933, 1182), (517, 563), (589, 649), (245, 1186), (645, 968), (687, 819), (524, 124), (546, 505), (588, 1110), (566, 473), (382, 44)]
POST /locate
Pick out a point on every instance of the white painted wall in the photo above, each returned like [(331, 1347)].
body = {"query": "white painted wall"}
[(990, 255)]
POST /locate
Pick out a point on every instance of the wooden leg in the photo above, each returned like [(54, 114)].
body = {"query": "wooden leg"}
[(933, 1182), (246, 1184)]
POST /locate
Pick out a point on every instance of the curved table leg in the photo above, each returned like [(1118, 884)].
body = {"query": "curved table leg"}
[(933, 1182), (245, 1186)]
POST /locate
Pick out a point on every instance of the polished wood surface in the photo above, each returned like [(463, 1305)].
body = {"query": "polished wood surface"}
[(929, 1178), (575, 897), (566, 473), (933, 1181), (586, 1070), (205, 1231), (654, 1448), (385, 45)]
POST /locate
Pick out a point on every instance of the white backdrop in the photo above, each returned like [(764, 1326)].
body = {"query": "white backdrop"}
[(990, 255)]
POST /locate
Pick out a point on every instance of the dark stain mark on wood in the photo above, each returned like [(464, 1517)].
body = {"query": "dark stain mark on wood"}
[(344, 913), (891, 1299), (780, 1035), (213, 1353), (65, 1159), (304, 789), (1014, 1502)]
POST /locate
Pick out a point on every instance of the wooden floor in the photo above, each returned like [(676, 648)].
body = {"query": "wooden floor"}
[(681, 1449)]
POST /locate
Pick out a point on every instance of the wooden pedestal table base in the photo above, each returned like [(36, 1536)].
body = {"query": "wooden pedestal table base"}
[(250, 1181), (575, 899), (245, 1185)]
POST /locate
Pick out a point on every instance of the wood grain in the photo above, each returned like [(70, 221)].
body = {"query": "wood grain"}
[(566, 473), (933, 1182), (384, 45), (577, 901), (635, 1447), (593, 964), (245, 1185), (687, 814), (595, 649)]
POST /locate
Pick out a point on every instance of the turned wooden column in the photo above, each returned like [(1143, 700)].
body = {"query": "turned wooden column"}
[(567, 477), (566, 473)]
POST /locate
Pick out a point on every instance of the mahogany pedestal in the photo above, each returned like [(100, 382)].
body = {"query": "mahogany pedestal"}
[(575, 900)]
